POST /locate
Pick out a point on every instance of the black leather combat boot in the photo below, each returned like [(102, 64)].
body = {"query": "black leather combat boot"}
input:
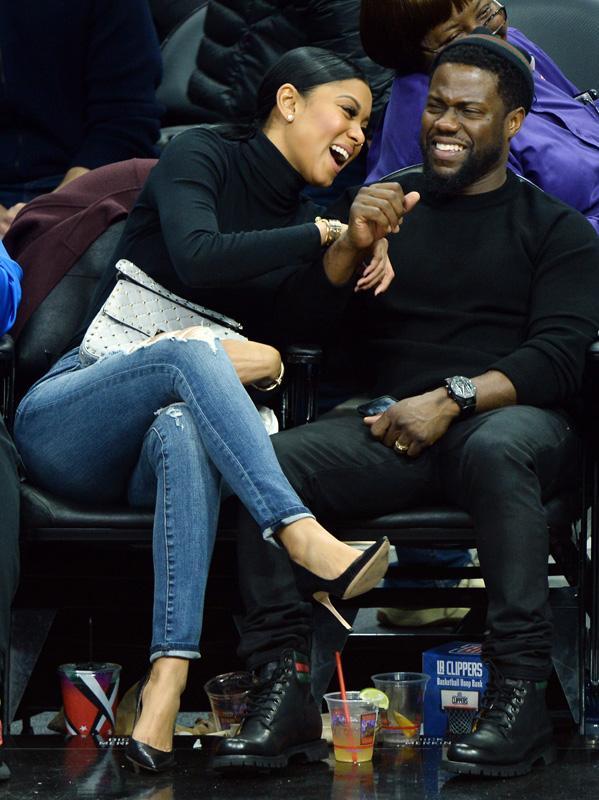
[(511, 732), (282, 721)]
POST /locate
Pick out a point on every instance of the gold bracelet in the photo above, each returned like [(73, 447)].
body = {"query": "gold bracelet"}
[(276, 382), (334, 229)]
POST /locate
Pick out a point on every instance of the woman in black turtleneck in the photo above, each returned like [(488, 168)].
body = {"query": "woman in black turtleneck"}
[(221, 221)]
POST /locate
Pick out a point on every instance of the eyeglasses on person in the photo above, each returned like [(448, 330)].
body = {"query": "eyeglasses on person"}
[(492, 15)]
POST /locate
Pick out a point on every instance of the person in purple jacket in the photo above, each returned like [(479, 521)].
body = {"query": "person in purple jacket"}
[(10, 296), (558, 147)]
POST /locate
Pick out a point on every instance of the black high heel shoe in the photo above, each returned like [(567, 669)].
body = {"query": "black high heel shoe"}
[(362, 575), (143, 755)]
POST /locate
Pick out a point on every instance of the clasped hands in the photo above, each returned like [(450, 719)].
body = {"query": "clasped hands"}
[(377, 211)]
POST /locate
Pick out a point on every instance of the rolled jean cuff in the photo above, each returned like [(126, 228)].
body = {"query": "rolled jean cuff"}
[(174, 651), (296, 513)]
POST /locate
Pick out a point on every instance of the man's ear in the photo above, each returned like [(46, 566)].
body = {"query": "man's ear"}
[(514, 121)]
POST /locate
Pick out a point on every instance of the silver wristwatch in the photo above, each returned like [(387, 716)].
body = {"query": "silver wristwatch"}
[(463, 392)]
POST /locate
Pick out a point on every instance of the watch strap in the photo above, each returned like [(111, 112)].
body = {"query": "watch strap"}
[(467, 405)]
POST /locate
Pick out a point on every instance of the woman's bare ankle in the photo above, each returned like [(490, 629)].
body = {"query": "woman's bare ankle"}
[(169, 673), (160, 703), (313, 547)]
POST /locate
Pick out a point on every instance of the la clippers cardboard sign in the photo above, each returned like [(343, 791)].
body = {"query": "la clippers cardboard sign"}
[(455, 690)]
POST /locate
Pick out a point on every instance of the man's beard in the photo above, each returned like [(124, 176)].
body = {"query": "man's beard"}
[(474, 167)]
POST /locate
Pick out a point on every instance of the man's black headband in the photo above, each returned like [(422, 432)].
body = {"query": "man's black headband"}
[(481, 37)]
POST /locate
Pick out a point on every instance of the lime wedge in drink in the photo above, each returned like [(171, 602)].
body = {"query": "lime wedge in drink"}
[(375, 696)]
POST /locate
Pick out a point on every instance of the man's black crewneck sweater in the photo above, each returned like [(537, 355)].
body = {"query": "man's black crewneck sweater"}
[(505, 280)]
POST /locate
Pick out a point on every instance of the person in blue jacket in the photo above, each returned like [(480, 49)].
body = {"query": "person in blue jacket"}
[(77, 91), (10, 296)]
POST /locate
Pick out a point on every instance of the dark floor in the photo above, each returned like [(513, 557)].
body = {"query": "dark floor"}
[(47, 767)]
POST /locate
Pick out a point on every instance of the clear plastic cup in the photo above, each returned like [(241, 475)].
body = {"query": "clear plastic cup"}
[(228, 695), (353, 725), (402, 721)]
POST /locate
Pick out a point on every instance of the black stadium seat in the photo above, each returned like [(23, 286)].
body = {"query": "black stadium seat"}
[(568, 30)]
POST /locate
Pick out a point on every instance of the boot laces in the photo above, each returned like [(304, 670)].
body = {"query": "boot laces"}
[(265, 696), (501, 702)]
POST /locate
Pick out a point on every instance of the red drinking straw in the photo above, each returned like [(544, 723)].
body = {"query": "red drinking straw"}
[(341, 679)]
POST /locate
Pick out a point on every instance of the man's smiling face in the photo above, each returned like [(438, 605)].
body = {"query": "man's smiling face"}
[(464, 137)]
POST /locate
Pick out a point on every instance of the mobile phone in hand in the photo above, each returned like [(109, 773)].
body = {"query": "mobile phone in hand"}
[(376, 406)]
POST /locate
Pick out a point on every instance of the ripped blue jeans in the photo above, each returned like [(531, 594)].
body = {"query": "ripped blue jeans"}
[(164, 427)]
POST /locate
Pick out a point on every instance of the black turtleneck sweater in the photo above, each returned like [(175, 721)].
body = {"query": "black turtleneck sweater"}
[(505, 280), (222, 223)]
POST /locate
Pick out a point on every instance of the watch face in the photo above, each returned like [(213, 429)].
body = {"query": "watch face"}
[(462, 387)]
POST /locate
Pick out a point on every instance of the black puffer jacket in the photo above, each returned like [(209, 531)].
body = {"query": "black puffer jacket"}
[(242, 38)]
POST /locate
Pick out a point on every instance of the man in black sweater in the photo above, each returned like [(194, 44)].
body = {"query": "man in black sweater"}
[(482, 340)]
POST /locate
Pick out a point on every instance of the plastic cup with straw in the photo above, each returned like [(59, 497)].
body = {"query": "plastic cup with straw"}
[(353, 722), (341, 680)]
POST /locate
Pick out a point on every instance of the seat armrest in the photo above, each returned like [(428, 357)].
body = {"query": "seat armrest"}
[(7, 376), (299, 399)]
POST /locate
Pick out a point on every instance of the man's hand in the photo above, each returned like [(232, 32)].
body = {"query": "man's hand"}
[(415, 422), (7, 216), (379, 272), (377, 210)]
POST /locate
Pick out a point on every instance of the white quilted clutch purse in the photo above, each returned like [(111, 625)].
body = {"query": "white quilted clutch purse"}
[(138, 308)]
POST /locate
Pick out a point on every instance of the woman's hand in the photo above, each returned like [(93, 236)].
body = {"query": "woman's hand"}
[(377, 210), (379, 272), (254, 362)]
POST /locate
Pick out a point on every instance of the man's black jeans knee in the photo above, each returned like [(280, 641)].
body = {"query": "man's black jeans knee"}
[(499, 466)]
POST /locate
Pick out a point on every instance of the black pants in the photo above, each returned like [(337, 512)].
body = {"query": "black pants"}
[(9, 534), (499, 466)]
